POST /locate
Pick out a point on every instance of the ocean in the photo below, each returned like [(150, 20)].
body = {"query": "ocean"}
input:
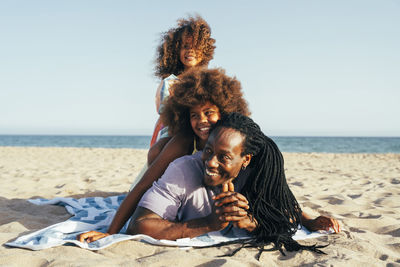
[(285, 143)]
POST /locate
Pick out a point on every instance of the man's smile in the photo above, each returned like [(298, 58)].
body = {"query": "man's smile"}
[(211, 173)]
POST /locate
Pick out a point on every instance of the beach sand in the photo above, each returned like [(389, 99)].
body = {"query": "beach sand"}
[(361, 190)]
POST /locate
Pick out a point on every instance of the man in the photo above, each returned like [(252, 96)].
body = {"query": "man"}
[(196, 193)]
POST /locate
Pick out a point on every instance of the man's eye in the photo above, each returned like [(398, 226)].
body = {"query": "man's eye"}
[(226, 157), (223, 158)]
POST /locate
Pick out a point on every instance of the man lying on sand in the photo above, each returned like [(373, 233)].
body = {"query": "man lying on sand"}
[(196, 194)]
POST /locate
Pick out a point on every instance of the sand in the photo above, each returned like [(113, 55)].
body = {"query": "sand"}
[(361, 190)]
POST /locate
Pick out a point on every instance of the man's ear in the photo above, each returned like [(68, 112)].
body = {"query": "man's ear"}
[(246, 161)]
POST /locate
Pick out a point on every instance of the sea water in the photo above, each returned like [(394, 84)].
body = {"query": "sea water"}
[(141, 142), (285, 143)]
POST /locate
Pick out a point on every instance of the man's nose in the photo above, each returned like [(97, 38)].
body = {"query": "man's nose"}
[(212, 161)]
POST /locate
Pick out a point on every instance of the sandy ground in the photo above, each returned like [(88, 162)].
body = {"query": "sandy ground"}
[(361, 190)]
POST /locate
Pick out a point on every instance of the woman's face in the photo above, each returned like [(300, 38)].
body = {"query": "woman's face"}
[(202, 117), (188, 54), (222, 156)]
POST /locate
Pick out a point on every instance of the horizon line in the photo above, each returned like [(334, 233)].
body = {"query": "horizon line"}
[(149, 135)]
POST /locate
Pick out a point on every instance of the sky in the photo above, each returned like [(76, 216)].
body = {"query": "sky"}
[(307, 67)]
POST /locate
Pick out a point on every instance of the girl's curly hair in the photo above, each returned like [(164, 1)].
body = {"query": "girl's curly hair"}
[(167, 56), (197, 86)]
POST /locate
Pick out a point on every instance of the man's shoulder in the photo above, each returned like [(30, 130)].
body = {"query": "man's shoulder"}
[(188, 161), (186, 170)]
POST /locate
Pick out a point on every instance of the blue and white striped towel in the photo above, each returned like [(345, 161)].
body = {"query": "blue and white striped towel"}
[(96, 213)]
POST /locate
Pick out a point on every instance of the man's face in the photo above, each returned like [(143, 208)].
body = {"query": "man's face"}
[(222, 156)]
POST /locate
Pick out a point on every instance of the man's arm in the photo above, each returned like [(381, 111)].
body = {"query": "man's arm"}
[(320, 223), (144, 221), (229, 207)]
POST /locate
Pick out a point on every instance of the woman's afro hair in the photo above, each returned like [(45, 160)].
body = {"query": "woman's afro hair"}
[(196, 87)]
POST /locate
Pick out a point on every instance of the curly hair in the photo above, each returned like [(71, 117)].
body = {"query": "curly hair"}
[(198, 86), (167, 56)]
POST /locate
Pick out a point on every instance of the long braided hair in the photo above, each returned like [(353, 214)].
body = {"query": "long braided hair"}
[(272, 203)]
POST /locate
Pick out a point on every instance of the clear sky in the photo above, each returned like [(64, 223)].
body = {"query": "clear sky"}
[(329, 68)]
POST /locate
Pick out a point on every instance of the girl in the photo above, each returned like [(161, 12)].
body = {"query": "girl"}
[(200, 97), (182, 48)]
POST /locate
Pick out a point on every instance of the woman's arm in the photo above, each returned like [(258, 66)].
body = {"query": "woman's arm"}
[(156, 149), (178, 146), (175, 148)]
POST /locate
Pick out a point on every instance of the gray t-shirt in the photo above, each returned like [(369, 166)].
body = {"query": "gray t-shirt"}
[(180, 195)]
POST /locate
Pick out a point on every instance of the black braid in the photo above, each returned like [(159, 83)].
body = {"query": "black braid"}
[(271, 201)]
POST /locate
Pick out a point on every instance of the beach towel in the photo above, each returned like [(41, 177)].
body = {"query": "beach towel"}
[(96, 213)]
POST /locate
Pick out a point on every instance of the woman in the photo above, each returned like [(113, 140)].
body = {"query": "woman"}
[(200, 97)]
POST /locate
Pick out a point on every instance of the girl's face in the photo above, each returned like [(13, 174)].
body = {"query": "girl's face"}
[(188, 54), (202, 117)]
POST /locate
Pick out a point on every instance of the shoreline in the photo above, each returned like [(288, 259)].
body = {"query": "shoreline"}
[(361, 190)]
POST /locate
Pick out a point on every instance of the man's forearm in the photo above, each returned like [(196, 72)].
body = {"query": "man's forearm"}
[(306, 220), (164, 229)]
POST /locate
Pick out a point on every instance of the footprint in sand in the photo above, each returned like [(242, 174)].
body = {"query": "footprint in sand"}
[(383, 257), (335, 201), (354, 196), (361, 215), (297, 183), (392, 230), (378, 201), (395, 181), (356, 230)]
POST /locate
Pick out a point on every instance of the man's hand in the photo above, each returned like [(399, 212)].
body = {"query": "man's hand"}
[(322, 223), (248, 223), (91, 236), (231, 206)]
